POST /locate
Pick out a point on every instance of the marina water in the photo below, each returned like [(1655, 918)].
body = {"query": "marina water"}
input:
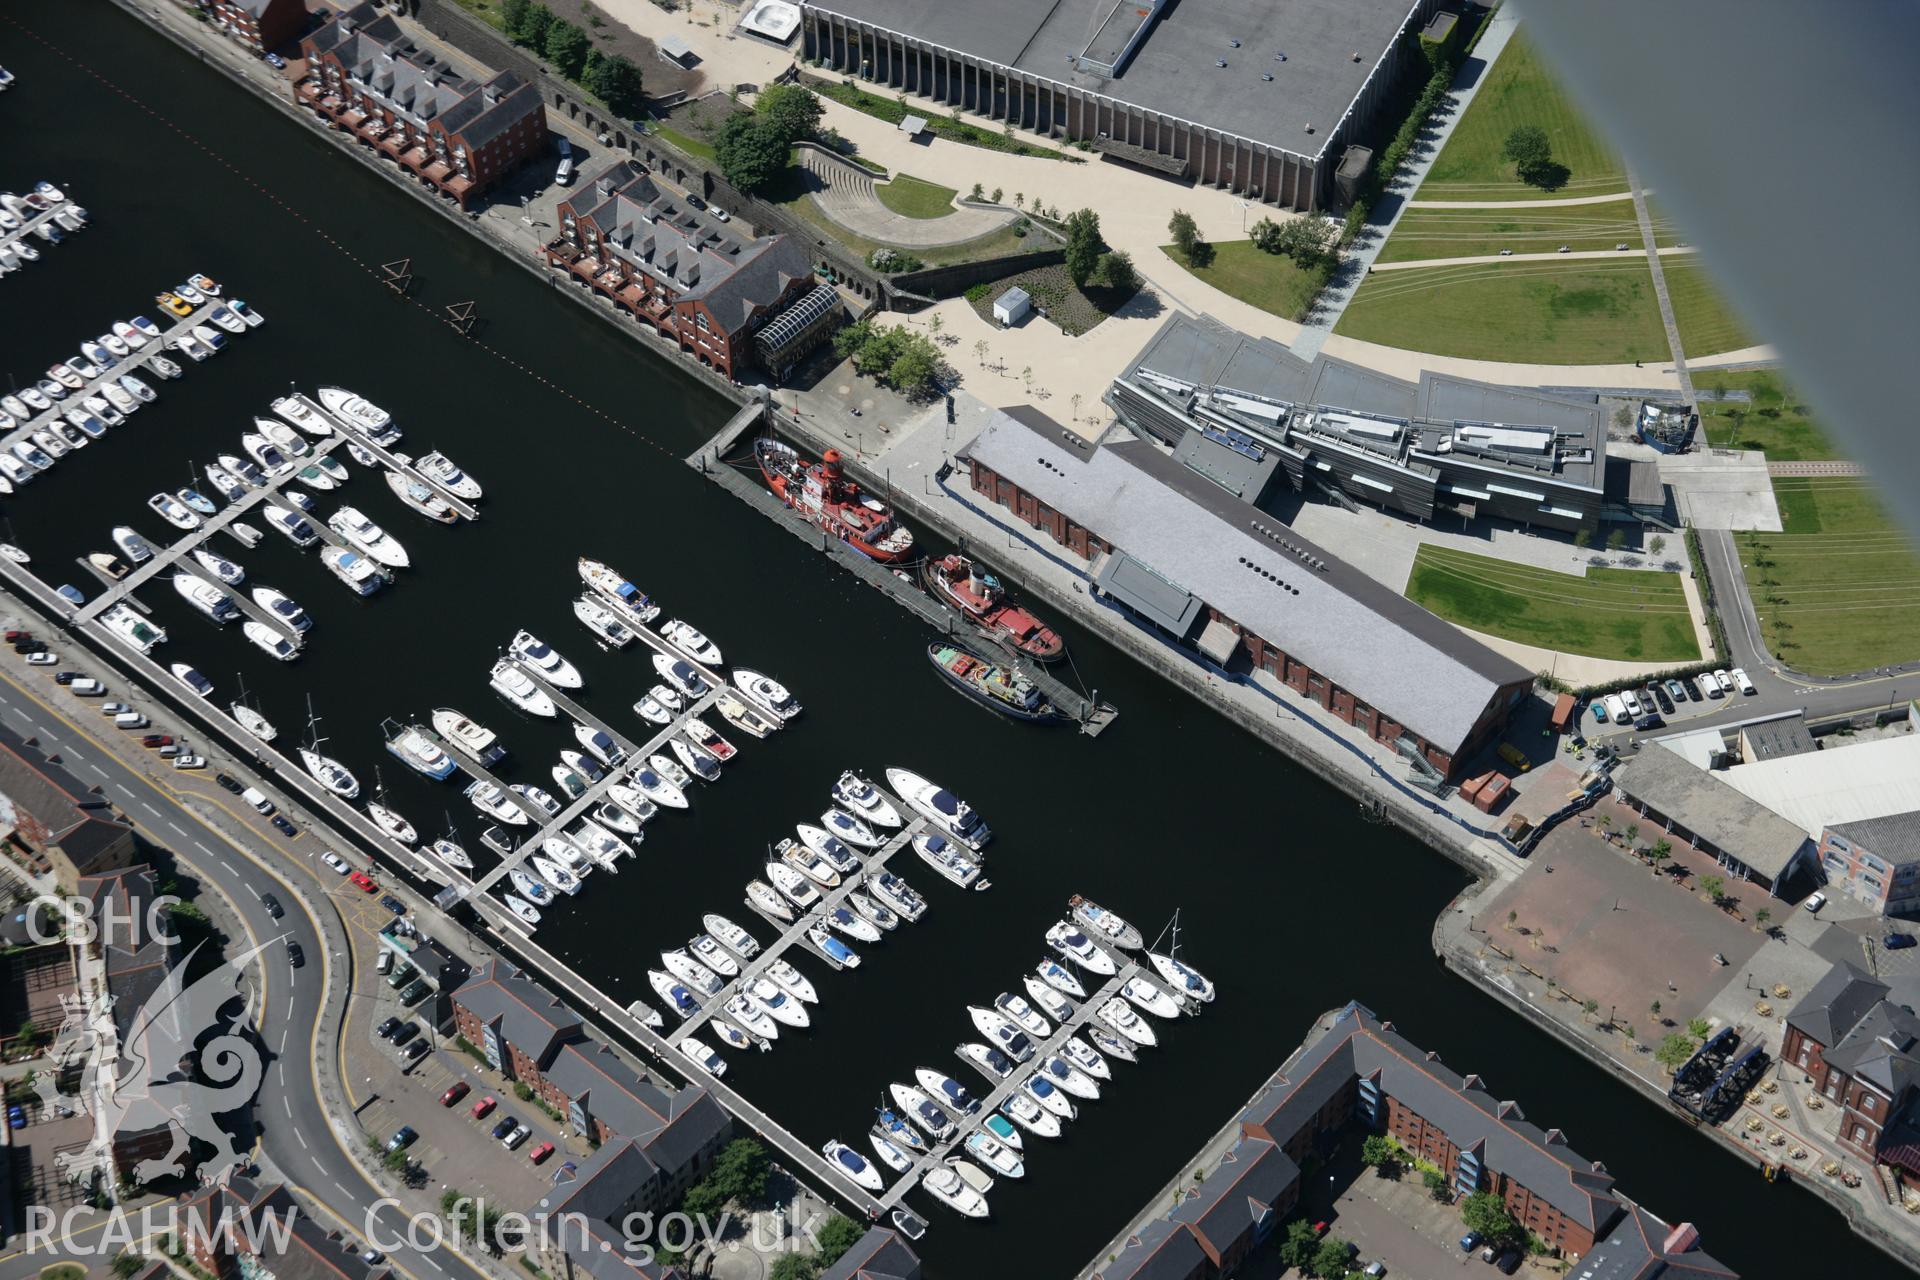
[(1289, 901)]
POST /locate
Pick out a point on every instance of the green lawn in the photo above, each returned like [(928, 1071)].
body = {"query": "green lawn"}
[(790, 193), (953, 127), (691, 145), (1467, 233), (1707, 325), (1520, 89), (1627, 614), (1838, 590), (1578, 312), (1266, 280), (911, 198), (1772, 418)]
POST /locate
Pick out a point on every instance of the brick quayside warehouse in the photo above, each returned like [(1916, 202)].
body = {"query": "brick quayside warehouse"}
[(1364, 1075)]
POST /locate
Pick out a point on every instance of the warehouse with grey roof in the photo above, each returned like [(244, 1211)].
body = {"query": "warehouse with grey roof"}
[(1196, 565), (1260, 99)]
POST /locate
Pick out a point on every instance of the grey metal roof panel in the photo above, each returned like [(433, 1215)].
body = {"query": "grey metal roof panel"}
[(1895, 837), (1704, 804), (1242, 476), (1338, 384), (1191, 348), (1389, 652), (1140, 588), (1173, 69)]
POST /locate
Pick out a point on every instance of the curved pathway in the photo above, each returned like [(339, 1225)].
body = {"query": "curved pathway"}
[(848, 194)]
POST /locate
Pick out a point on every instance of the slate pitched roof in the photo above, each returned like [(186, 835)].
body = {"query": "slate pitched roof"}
[(137, 960), (533, 1021), (1637, 1250), (1161, 1250), (1895, 837), (1880, 1049), (79, 820), (612, 1092), (1836, 1004), (243, 1208), (880, 1254), (1238, 1196)]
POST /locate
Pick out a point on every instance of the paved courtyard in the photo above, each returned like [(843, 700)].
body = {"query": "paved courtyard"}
[(1716, 490)]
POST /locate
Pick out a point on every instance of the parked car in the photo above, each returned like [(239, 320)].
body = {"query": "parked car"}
[(1599, 708), (387, 1027), (1678, 691), (87, 687), (1724, 679), (187, 760), (157, 740), (518, 1136), (696, 201), (415, 1051), (400, 976), (384, 965), (1509, 1262), (44, 658), (272, 904), (278, 63), (394, 905), (295, 956), (1469, 1241), (336, 862), (361, 880), (1661, 696), (1376, 1269), (129, 720), (64, 677), (16, 1116), (1650, 721), (230, 784), (402, 1138), (414, 992), (480, 1109), (284, 827), (257, 798), (541, 1152), (1741, 682), (458, 1090), (1816, 902), (1897, 941), (405, 1032), (1708, 684), (506, 1126)]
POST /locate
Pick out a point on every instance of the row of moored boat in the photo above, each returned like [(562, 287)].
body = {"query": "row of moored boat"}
[(44, 214)]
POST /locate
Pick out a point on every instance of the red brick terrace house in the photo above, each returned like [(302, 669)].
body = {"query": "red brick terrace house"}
[(460, 136), (260, 25), (1862, 1051), (731, 302)]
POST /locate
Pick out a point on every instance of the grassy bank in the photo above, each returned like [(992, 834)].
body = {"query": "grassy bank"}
[(1626, 614), (1265, 280)]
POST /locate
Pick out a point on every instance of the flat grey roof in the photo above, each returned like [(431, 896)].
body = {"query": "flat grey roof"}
[(1389, 652), (1145, 591), (1244, 477), (1707, 806), (1173, 71), (1774, 738)]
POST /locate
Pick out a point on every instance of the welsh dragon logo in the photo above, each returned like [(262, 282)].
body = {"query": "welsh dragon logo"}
[(185, 1059)]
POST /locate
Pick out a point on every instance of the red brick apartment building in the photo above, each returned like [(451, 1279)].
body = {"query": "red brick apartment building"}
[(1362, 1077), (260, 25), (730, 302), (1192, 562), (1862, 1051), (459, 136)]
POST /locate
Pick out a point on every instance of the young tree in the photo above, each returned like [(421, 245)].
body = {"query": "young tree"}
[(532, 28), (567, 47), (750, 154), (1674, 1050), (1266, 236), (1116, 272), (791, 110), (980, 350), (995, 197), (1616, 540), (617, 82), (1761, 918), (1656, 544), (1186, 234), (1019, 199), (1530, 151), (1084, 245), (1484, 1212), (1590, 1007), (1654, 1009), (977, 192), (1699, 1028), (1379, 1150), (1435, 1183), (1714, 886), (794, 1266), (1582, 538)]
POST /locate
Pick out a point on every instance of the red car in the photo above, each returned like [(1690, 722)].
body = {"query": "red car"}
[(540, 1152), (361, 880), (482, 1107), (459, 1090)]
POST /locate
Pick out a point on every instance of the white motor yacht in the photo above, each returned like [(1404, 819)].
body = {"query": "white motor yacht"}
[(695, 759), (629, 601), (537, 797), (363, 533), (782, 1005), (854, 1166), (196, 683), (1001, 1033), (950, 1093), (270, 641), (290, 524), (601, 845), (1119, 1015), (670, 770), (271, 459), (413, 748), (680, 675), (1048, 1001), (1042, 1091), (863, 800), (1084, 1056), (556, 875), (208, 336), (1111, 1044), (284, 438), (1077, 947), (764, 898), (690, 971), (101, 408), (766, 693), (792, 981), (253, 722), (1024, 1110), (545, 661), (1104, 924), (535, 889), (189, 346), (252, 317), (50, 444), (421, 498), (206, 597), (996, 1155), (134, 387), (196, 501), (850, 829), (706, 948), (360, 574), (119, 397), (731, 936), (27, 452), (1057, 976), (794, 885), (223, 316), (743, 717), (493, 802), (359, 413), (872, 912), (700, 734), (526, 911), (947, 1185), (134, 629), (314, 478), (843, 920), (600, 620), (923, 1111), (1182, 977), (225, 483), (753, 1018), (135, 548), (946, 859), (469, 737), (283, 607), (691, 641), (990, 1062), (130, 334), (702, 1057), (676, 997), (632, 803), (946, 811), (1023, 1015), (228, 571), (300, 413), (598, 744), (440, 469), (173, 511), (164, 367), (1068, 1078), (651, 709), (898, 894), (1149, 998), (517, 687), (658, 789), (330, 773)]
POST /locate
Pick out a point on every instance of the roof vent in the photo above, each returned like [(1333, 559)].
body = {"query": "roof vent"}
[(1266, 75), (1309, 128), (1680, 1239), (1356, 57), (1555, 1138), (1279, 57), (1472, 1082), (1219, 62), (1233, 44)]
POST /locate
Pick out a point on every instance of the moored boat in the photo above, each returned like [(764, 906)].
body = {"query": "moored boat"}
[(628, 600), (952, 815), (469, 737), (997, 686), (1104, 924), (517, 687), (962, 583), (541, 658), (864, 800), (825, 495)]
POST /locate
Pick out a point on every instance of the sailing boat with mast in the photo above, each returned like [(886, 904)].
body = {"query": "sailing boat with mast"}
[(328, 772), (390, 823), (1185, 980), (249, 719), (448, 847)]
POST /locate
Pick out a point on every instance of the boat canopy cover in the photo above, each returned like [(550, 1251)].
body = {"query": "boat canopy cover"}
[(945, 801)]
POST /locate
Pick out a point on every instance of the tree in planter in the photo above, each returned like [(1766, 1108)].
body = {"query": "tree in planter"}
[(1714, 887), (1084, 245), (1656, 544), (1616, 540), (1582, 538), (1661, 851), (567, 47), (1654, 1009), (1632, 833), (1590, 1007), (1761, 919), (1699, 1028), (1116, 272), (1674, 1050), (1604, 822)]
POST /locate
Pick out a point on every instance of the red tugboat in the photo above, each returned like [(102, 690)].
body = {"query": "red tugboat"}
[(961, 583), (825, 495)]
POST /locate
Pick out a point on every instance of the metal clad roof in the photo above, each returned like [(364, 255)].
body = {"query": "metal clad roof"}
[(1162, 602)]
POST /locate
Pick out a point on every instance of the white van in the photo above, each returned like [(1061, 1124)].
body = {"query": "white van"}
[(253, 797), (1708, 685), (1742, 683), (564, 174), (87, 687), (129, 720), (1617, 709), (1724, 680)]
